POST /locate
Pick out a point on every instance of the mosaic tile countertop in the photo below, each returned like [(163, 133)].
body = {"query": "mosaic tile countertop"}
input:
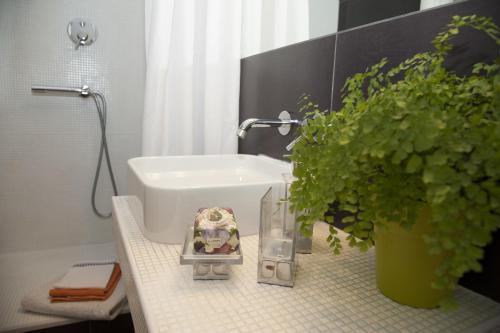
[(331, 293)]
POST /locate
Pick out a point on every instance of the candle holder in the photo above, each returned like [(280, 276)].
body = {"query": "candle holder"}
[(277, 238), (303, 243), (208, 266)]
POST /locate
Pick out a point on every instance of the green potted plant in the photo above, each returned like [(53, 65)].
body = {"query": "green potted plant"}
[(414, 156)]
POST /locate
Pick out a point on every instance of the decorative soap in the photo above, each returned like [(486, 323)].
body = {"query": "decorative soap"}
[(215, 231)]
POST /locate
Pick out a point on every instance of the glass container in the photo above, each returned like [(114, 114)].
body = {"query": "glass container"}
[(303, 243), (208, 266), (277, 238)]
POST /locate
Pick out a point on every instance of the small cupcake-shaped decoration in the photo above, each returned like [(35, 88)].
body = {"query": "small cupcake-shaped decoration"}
[(215, 231)]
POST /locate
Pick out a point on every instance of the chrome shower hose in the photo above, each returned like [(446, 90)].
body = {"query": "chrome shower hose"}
[(100, 103)]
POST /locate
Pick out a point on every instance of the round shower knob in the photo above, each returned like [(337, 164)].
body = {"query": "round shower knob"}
[(81, 32)]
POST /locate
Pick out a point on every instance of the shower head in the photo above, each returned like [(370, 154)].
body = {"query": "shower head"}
[(83, 91)]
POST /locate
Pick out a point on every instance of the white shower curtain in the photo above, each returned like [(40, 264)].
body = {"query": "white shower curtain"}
[(193, 51)]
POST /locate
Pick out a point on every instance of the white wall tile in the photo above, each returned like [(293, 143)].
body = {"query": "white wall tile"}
[(49, 144)]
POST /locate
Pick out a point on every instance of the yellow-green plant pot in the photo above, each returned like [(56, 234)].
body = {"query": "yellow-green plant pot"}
[(405, 269)]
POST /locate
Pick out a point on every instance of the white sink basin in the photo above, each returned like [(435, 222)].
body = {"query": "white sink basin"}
[(173, 188)]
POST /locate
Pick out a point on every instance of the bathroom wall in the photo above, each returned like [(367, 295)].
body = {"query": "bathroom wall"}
[(353, 13), (273, 81), (49, 145), (401, 37)]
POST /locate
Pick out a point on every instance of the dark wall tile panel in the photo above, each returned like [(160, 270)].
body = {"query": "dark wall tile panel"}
[(353, 13), (273, 81), (402, 37)]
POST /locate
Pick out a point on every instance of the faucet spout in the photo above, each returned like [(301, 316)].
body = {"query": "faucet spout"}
[(283, 123)]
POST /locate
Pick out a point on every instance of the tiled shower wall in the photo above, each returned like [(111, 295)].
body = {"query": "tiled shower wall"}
[(49, 144)]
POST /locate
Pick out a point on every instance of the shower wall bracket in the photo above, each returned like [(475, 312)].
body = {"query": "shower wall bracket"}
[(81, 32)]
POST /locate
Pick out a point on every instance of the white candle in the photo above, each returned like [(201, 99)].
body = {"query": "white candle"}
[(283, 271)]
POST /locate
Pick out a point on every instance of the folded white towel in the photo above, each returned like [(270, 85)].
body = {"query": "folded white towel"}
[(87, 275), (38, 301)]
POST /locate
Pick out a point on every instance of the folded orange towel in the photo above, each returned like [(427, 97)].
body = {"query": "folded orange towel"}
[(87, 294)]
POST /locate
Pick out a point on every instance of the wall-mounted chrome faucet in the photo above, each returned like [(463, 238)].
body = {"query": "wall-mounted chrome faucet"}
[(283, 123)]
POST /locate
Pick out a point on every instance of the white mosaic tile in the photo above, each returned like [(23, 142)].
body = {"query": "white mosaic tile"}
[(331, 293)]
